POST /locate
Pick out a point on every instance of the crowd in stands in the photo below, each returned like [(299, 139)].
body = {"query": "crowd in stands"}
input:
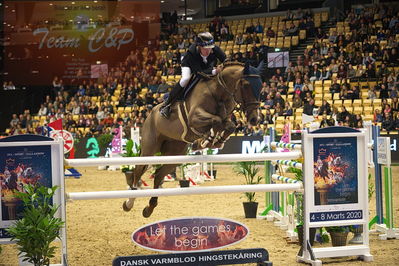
[(365, 48)]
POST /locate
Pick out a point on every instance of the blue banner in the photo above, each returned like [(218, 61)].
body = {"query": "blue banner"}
[(336, 216), (225, 257)]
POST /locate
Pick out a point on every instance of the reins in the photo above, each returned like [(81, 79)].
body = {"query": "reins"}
[(243, 105)]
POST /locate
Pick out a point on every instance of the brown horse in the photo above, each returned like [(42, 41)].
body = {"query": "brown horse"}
[(202, 119)]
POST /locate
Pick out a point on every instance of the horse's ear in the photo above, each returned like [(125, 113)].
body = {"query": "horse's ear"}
[(246, 68), (260, 66)]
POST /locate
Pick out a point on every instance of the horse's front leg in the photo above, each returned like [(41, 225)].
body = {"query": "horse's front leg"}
[(209, 124), (224, 135), (134, 183)]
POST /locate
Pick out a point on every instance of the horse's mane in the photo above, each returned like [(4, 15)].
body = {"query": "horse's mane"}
[(232, 63)]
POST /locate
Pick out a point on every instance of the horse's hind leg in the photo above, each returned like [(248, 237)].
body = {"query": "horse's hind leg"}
[(168, 148), (134, 183), (158, 180), (149, 146)]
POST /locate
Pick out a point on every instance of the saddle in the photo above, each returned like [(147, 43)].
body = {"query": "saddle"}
[(194, 79)]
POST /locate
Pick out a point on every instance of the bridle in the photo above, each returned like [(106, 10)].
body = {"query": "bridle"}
[(243, 105)]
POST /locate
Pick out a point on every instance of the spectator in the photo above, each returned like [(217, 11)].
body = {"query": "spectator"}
[(309, 107), (270, 33), (297, 101), (258, 28), (42, 111), (287, 111), (387, 122), (325, 108), (335, 87), (325, 74), (292, 30), (341, 74), (325, 122), (351, 73)]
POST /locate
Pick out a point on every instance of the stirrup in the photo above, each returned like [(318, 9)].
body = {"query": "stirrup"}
[(165, 111)]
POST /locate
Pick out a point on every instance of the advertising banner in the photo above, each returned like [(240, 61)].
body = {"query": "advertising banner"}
[(24, 160), (224, 257), (68, 39), (190, 234), (20, 166), (335, 170)]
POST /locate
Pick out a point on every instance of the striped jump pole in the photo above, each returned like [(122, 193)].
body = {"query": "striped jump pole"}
[(163, 192), (287, 207), (290, 146), (285, 179), (294, 164)]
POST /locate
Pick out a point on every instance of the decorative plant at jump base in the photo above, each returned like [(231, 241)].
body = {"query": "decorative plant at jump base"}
[(132, 150), (104, 140), (338, 235), (322, 237), (249, 170), (38, 227)]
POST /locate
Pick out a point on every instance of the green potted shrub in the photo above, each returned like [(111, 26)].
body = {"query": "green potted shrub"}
[(338, 234), (104, 140), (38, 227), (132, 150), (250, 171)]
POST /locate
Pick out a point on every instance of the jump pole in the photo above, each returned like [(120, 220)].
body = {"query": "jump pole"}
[(221, 158), (164, 192), (289, 207)]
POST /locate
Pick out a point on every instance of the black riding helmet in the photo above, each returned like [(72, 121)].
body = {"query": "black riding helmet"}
[(205, 39)]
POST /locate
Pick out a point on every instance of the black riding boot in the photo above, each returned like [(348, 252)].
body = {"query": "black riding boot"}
[(174, 93)]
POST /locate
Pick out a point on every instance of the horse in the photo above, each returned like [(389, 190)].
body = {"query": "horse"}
[(202, 119)]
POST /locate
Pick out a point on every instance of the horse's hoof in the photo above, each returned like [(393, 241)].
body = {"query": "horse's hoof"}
[(125, 207), (219, 145), (147, 211)]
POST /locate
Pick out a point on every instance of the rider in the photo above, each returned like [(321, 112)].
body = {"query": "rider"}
[(201, 56)]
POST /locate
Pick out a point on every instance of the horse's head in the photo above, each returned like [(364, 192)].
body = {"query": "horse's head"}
[(251, 85)]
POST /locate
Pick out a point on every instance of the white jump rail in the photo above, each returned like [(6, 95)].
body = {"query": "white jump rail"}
[(182, 191), (221, 158)]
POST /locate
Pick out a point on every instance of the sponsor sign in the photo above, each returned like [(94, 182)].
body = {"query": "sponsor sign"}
[(190, 234), (335, 177), (225, 257), (26, 159), (74, 40), (335, 170), (383, 150)]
